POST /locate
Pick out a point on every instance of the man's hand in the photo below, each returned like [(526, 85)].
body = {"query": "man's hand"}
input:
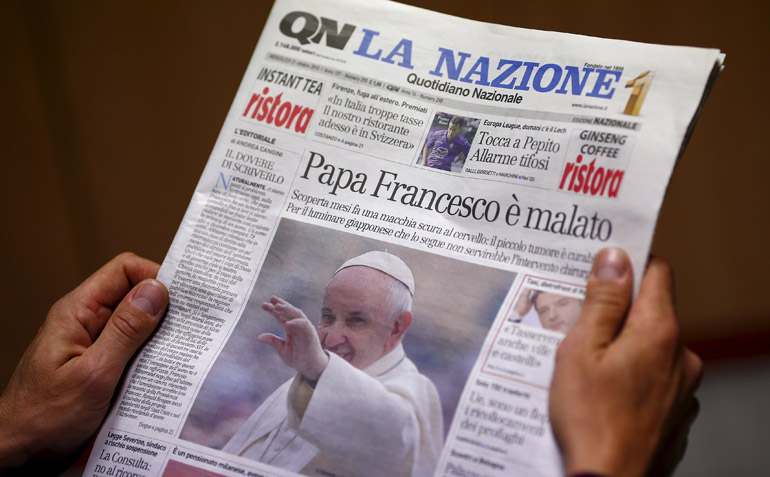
[(523, 304), (63, 385), (621, 389), (301, 349)]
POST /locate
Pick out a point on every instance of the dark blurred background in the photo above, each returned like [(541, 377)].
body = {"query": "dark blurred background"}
[(109, 112)]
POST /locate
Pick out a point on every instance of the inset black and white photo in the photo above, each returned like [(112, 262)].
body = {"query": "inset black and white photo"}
[(549, 310)]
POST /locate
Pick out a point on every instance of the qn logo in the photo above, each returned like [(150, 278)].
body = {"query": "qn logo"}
[(305, 27)]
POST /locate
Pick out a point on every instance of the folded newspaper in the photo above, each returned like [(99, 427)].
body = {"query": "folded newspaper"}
[(390, 239)]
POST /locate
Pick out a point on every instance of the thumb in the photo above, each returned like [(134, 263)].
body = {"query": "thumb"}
[(608, 296), (272, 341), (132, 322)]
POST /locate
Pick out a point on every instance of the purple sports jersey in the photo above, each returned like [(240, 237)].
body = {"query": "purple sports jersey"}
[(443, 151)]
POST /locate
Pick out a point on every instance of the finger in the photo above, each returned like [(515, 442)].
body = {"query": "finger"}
[(100, 293), (524, 303), (692, 372), (673, 446), (109, 284), (130, 325), (607, 298), (282, 310), (272, 341), (283, 305), (693, 366), (652, 315), (273, 310), (276, 300), (657, 285), (289, 312)]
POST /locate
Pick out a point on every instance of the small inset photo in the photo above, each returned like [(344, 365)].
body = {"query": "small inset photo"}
[(448, 143), (549, 310)]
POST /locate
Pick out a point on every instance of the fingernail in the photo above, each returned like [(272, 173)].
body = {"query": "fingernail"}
[(611, 264), (149, 297)]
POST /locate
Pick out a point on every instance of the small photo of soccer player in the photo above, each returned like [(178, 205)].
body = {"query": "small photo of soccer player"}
[(448, 142)]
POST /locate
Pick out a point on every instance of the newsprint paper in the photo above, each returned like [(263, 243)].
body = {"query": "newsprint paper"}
[(416, 199)]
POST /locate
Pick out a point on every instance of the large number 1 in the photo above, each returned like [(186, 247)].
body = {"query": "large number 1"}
[(641, 85)]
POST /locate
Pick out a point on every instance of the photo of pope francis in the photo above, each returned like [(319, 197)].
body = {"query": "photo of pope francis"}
[(357, 404)]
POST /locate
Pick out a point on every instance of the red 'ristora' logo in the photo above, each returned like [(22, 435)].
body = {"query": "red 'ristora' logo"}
[(274, 111), (590, 180)]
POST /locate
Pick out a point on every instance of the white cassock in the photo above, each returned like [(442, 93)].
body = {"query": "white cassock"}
[(383, 420)]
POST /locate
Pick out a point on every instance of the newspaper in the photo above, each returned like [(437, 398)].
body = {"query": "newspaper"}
[(487, 165)]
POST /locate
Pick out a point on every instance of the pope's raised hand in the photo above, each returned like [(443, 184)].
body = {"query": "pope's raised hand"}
[(301, 349)]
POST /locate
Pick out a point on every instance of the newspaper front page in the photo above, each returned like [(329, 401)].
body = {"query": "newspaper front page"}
[(471, 172)]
